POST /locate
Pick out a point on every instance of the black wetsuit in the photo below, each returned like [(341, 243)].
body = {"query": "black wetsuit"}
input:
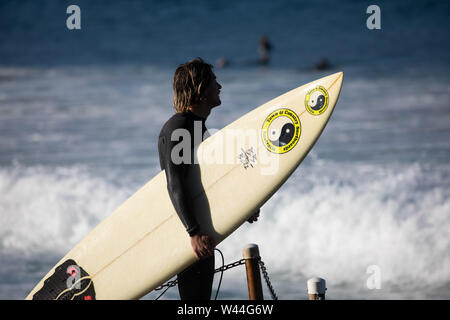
[(194, 283)]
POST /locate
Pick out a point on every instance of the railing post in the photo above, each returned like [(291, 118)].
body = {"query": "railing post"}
[(251, 256), (316, 289)]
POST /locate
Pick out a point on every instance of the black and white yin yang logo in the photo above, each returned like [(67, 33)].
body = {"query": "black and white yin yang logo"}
[(281, 130), (316, 101)]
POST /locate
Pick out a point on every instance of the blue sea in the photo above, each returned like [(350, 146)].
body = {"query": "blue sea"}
[(80, 111)]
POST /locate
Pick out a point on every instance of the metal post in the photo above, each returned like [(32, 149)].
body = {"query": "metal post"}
[(251, 256), (316, 288)]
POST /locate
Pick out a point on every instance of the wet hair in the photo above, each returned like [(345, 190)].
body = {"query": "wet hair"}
[(189, 83)]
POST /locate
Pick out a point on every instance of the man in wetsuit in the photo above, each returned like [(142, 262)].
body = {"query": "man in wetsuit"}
[(196, 92)]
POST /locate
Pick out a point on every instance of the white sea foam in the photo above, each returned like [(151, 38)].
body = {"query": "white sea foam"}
[(329, 220), (334, 221), (48, 210)]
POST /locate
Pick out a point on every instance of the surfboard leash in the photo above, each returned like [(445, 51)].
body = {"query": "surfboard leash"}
[(221, 273), (173, 283)]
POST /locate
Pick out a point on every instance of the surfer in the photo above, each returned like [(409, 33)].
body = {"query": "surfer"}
[(196, 93), (322, 65), (264, 49)]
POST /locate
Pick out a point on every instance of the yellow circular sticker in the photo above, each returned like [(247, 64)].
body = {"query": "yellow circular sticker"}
[(281, 131), (316, 101)]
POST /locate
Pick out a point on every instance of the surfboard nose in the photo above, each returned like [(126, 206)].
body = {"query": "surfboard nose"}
[(340, 79), (337, 82)]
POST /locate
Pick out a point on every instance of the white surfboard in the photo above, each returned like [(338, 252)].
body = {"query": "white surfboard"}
[(143, 243)]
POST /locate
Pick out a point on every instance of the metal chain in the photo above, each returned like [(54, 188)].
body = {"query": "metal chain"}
[(168, 284), (229, 266), (266, 277), (173, 283)]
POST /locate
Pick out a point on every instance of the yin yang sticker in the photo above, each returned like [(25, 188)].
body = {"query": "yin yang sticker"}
[(316, 101), (281, 131)]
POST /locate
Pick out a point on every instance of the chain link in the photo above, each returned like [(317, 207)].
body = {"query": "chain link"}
[(168, 284), (229, 266), (266, 277)]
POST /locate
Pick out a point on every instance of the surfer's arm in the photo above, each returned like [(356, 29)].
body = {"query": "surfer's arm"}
[(178, 196), (202, 243), (175, 174)]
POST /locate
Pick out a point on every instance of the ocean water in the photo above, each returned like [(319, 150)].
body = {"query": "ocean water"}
[(80, 112)]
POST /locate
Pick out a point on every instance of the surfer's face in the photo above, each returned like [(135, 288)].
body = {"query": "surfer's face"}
[(209, 100), (212, 93)]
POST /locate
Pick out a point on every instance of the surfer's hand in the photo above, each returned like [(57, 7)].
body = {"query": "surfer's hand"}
[(203, 245), (254, 217)]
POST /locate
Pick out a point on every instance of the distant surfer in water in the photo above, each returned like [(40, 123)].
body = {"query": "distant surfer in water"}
[(322, 65), (264, 49), (196, 93)]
